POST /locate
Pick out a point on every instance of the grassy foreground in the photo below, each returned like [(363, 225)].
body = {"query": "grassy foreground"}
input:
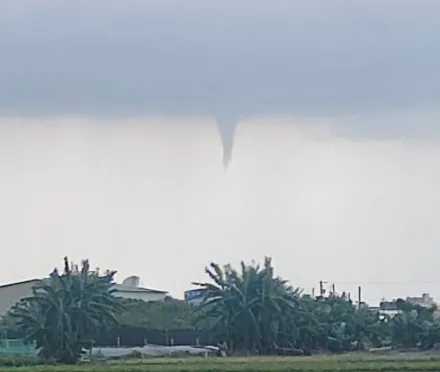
[(352, 363)]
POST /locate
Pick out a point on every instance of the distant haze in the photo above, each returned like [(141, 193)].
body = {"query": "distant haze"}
[(149, 197)]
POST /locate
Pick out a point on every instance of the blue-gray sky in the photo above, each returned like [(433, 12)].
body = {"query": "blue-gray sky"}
[(366, 71), (244, 57)]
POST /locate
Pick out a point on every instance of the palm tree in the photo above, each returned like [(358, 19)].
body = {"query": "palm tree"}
[(415, 326), (250, 308), (66, 310)]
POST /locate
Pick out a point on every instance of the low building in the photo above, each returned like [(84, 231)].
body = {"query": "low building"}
[(130, 289), (386, 309), (12, 293), (425, 300), (391, 309)]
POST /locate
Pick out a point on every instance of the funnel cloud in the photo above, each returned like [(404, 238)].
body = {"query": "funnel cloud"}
[(226, 127)]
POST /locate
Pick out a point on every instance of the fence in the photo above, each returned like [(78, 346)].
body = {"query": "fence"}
[(17, 347)]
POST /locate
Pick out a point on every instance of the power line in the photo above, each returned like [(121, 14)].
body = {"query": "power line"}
[(408, 282)]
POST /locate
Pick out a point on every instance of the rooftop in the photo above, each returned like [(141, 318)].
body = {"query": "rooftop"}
[(18, 283), (118, 287), (127, 288)]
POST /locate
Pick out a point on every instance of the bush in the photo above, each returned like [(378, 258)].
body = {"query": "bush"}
[(19, 361)]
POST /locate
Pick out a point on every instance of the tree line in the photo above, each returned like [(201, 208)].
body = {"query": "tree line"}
[(249, 311)]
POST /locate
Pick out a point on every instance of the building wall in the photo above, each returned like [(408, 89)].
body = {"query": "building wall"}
[(144, 296), (10, 295), (390, 313)]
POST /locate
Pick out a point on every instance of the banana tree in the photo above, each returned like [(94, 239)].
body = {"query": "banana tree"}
[(66, 310)]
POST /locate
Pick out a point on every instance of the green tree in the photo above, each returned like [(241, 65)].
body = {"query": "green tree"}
[(416, 326), (253, 310), (66, 310), (249, 308), (160, 315), (346, 327)]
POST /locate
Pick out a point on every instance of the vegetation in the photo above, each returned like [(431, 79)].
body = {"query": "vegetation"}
[(66, 310), (171, 314), (249, 311), (160, 323), (258, 313), (416, 326)]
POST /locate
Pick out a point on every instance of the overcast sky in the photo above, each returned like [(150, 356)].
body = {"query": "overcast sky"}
[(151, 198), (248, 57), (339, 99)]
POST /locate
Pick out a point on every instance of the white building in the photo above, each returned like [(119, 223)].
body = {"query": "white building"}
[(130, 289), (12, 293)]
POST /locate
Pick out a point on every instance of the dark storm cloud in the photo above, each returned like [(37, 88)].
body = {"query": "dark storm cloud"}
[(218, 57)]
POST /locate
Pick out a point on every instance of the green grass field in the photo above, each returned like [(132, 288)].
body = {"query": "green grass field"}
[(350, 362)]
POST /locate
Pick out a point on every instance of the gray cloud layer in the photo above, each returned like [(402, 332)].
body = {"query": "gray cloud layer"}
[(218, 57)]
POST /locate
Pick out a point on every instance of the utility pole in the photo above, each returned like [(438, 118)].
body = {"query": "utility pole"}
[(313, 292), (321, 288), (334, 289), (359, 296)]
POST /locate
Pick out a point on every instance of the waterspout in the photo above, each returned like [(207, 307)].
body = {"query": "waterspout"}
[(226, 126)]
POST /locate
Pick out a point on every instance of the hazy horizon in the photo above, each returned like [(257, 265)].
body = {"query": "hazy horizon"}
[(150, 197)]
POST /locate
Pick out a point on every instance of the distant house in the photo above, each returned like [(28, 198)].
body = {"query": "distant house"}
[(391, 309), (425, 300), (388, 306), (130, 289), (12, 293), (386, 309)]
